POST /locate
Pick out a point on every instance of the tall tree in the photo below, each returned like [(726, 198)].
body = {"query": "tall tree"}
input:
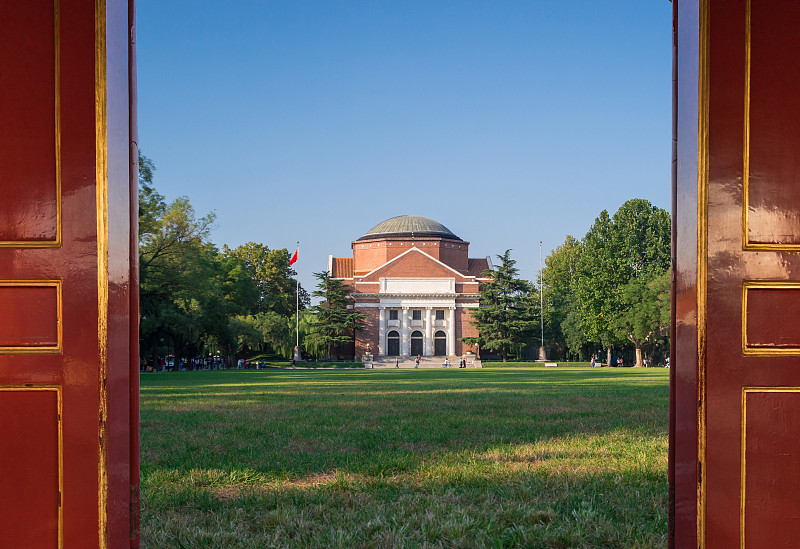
[(558, 277), (273, 275), (644, 317), (634, 246), (335, 324), (507, 315), (598, 282)]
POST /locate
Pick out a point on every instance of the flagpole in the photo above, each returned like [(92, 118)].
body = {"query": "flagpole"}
[(297, 304), (542, 355)]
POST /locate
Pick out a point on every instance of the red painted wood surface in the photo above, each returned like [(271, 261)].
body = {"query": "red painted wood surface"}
[(683, 372), (774, 123), (29, 316), (29, 465), (93, 370), (772, 469), (767, 310), (28, 121), (738, 215)]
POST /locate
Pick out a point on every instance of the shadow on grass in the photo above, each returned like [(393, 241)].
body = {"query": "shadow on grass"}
[(292, 425)]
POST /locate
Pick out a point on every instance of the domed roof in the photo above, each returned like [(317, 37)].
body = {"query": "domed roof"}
[(409, 225)]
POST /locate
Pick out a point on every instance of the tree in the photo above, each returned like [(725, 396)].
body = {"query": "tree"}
[(644, 317), (334, 325), (634, 246), (558, 278), (188, 293), (598, 282), (572, 330), (273, 276), (507, 314)]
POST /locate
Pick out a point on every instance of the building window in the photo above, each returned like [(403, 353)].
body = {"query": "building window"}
[(439, 314), (393, 314), (416, 314)]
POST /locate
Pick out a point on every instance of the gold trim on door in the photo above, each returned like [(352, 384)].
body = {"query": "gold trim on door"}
[(101, 196), (702, 261), (749, 350), (56, 349)]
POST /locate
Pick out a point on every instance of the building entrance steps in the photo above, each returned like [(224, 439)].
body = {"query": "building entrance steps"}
[(424, 362)]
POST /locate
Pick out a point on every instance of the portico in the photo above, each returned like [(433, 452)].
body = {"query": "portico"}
[(417, 321)]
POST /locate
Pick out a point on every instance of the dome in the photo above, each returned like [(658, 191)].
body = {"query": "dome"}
[(409, 225)]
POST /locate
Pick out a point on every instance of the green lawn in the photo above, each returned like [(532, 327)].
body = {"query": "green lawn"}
[(405, 458)]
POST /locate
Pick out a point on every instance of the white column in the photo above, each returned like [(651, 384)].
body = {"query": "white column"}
[(451, 333), (382, 331), (404, 333), (428, 332)]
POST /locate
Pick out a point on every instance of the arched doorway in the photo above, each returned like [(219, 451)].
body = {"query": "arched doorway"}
[(393, 343), (440, 343), (416, 343)]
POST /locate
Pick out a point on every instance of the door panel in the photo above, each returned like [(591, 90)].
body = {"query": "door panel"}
[(416, 344), (440, 346), (393, 346), (737, 280), (31, 453), (29, 145)]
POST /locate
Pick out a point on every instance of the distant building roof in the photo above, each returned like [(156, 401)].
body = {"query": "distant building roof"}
[(409, 225), (477, 266), (342, 267)]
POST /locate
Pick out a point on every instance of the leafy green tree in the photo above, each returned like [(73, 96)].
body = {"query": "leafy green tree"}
[(642, 236), (558, 277), (644, 318), (507, 315), (598, 282), (572, 331), (273, 276), (634, 246), (151, 204), (334, 325), (188, 292)]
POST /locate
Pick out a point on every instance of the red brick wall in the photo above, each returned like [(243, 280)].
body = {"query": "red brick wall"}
[(368, 256), (370, 288), (370, 333), (371, 254), (467, 288), (464, 329), (455, 254), (413, 264)]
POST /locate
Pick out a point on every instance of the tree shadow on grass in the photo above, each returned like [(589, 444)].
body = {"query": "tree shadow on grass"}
[(292, 425)]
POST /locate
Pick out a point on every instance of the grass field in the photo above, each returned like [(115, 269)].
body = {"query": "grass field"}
[(405, 458)]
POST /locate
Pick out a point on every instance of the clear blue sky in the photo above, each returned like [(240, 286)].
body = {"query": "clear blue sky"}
[(508, 122)]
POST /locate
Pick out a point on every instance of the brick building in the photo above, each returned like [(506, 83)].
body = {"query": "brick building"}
[(416, 283)]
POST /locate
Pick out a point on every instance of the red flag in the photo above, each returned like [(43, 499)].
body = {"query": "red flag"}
[(294, 257)]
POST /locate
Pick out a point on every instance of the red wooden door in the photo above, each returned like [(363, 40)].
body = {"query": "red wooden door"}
[(735, 441), (68, 314)]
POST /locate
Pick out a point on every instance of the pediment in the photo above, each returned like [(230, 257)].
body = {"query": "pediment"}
[(414, 264)]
